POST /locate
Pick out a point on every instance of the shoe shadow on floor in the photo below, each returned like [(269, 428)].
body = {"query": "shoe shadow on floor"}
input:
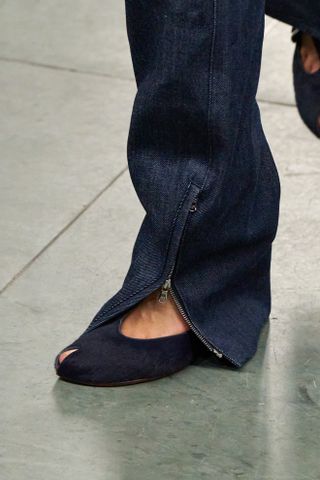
[(207, 418)]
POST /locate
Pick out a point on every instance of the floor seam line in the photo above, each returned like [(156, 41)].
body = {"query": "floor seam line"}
[(300, 174), (49, 66), (63, 230), (276, 102)]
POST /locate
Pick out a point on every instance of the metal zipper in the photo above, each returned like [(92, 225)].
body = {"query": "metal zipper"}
[(167, 288), (193, 328)]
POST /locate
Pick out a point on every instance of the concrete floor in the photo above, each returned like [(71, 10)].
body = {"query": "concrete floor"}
[(66, 90)]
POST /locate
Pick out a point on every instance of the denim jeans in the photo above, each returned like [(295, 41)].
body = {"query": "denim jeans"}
[(301, 14), (202, 169)]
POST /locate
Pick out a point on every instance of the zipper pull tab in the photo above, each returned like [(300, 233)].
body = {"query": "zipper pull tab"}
[(218, 354), (163, 296), (194, 207)]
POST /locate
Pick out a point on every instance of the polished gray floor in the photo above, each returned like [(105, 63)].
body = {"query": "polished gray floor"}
[(69, 216)]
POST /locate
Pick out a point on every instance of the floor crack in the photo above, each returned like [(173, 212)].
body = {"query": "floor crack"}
[(63, 230), (49, 66)]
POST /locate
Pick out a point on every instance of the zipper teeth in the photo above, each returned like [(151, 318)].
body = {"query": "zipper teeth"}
[(193, 328), (210, 347)]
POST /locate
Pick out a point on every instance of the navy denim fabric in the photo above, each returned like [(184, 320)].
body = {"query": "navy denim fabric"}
[(202, 169), (301, 14)]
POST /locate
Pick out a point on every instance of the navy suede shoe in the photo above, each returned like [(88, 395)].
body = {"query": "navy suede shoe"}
[(106, 358), (307, 89)]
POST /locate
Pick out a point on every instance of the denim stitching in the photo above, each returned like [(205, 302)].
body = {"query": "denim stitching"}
[(211, 85)]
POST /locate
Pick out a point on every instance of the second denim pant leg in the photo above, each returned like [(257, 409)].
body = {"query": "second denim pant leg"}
[(301, 14)]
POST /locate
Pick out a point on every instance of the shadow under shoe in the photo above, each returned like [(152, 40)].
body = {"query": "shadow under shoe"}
[(106, 357)]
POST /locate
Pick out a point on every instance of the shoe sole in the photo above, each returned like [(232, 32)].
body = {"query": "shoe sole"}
[(119, 384)]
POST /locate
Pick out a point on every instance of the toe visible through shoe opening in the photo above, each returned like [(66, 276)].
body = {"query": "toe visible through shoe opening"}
[(66, 354)]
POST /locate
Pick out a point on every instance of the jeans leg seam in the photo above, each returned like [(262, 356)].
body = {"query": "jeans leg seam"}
[(211, 85)]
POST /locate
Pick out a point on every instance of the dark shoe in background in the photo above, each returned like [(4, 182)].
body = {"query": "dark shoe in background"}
[(307, 88)]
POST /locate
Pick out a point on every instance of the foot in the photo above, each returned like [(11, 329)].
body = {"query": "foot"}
[(150, 319), (309, 54)]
